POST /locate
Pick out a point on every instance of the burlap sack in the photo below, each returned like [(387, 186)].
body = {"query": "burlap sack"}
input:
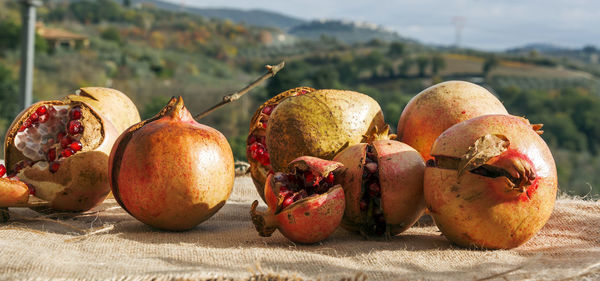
[(108, 244)]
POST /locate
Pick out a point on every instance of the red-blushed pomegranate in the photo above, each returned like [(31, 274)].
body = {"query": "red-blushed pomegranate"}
[(492, 182), (60, 149), (256, 147), (320, 123), (171, 172), (440, 106), (383, 185), (111, 104), (305, 204)]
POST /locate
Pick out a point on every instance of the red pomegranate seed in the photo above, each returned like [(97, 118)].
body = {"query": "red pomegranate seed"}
[(22, 128), (330, 178), (309, 177), (267, 110), (42, 110), (264, 124), (76, 146), (75, 127), (67, 152), (363, 205), (374, 189), (27, 123), (31, 189), (287, 201), (54, 167), (262, 140), (60, 135), (265, 160), (251, 140), (2, 170), (65, 142), (51, 154), (75, 113), (33, 117), (44, 118), (51, 111)]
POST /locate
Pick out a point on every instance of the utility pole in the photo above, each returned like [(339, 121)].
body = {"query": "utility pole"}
[(459, 24), (27, 50)]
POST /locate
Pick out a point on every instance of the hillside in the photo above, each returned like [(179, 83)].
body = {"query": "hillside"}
[(345, 31)]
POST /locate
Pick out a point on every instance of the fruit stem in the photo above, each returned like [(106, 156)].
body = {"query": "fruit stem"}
[(271, 71), (264, 223)]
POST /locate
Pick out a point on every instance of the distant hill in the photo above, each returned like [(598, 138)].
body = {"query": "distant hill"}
[(539, 47), (345, 31), (261, 18)]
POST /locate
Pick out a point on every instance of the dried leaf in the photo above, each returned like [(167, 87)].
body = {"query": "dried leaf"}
[(481, 151)]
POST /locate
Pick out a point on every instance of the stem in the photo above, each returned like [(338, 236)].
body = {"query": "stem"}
[(271, 71)]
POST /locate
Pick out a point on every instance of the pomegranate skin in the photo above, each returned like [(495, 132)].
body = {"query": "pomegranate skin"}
[(493, 184), (440, 106), (171, 172), (12, 192)]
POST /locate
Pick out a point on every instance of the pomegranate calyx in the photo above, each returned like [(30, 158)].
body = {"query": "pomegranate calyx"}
[(264, 222), (379, 134), (176, 110)]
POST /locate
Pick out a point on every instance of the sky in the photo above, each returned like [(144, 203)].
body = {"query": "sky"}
[(488, 24)]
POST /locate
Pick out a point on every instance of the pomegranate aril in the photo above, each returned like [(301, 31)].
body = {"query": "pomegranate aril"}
[(27, 123), (371, 167), (262, 140), (41, 110), (67, 152), (76, 146), (65, 142), (251, 140), (43, 118), (22, 128), (75, 113), (2, 170), (54, 167), (33, 117), (374, 189), (75, 127), (51, 154), (60, 135), (267, 110), (363, 205), (264, 124), (330, 178), (51, 111), (287, 201), (309, 177)]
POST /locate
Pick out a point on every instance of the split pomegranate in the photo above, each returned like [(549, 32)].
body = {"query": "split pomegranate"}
[(60, 149), (440, 106), (383, 184), (12, 191), (256, 147), (171, 172), (305, 204), (492, 182), (320, 123)]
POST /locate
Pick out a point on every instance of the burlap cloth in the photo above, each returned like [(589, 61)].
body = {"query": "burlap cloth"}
[(107, 244)]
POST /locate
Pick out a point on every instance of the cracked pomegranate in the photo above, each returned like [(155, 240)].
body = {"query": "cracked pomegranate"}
[(492, 182), (440, 106), (320, 123), (60, 149), (171, 172), (305, 204), (383, 184), (256, 147)]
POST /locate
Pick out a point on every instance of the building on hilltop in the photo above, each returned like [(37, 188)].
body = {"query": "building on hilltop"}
[(60, 38)]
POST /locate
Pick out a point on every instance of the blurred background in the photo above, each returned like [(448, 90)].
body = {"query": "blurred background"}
[(541, 61)]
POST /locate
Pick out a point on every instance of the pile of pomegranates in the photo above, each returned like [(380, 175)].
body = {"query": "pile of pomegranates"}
[(305, 204), (171, 172), (60, 148)]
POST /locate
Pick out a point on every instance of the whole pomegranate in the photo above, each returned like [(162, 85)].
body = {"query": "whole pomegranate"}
[(171, 172), (440, 106), (256, 147), (60, 149), (112, 104), (305, 204), (320, 123), (383, 184), (493, 182)]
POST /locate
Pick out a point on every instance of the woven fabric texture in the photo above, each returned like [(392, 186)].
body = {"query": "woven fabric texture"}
[(108, 244)]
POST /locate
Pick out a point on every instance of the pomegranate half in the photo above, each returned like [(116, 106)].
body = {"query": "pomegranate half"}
[(306, 204), (256, 147), (171, 172), (440, 106), (320, 123), (60, 149), (493, 182)]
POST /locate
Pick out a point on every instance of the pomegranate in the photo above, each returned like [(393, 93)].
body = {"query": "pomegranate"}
[(440, 106), (383, 184), (112, 104), (60, 149), (171, 172), (256, 147), (320, 124), (305, 204), (492, 182)]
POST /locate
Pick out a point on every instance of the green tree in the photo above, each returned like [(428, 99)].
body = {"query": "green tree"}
[(437, 63), (112, 34), (396, 49), (490, 63), (422, 63), (405, 66)]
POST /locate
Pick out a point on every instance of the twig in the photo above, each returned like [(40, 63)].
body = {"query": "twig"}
[(271, 71)]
